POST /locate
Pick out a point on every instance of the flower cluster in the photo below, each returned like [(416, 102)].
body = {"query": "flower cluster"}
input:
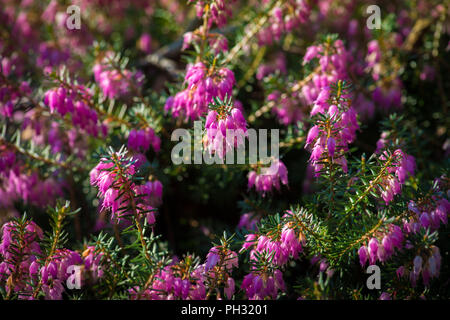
[(219, 264), (400, 166), (26, 272), (329, 139), (203, 84), (381, 248), (218, 255), (55, 273), (220, 10), (116, 83), (152, 191), (18, 184), (428, 268), (427, 215), (266, 179), (283, 247), (284, 18), (109, 175), (75, 101), (141, 140), (18, 250), (260, 286), (226, 129), (333, 61), (387, 94), (145, 71), (174, 282)]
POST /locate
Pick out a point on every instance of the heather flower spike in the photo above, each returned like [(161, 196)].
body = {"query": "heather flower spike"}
[(110, 174), (146, 123), (335, 129), (226, 128)]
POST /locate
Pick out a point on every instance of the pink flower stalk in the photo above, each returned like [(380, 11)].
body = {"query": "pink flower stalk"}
[(154, 190), (19, 257), (220, 11), (328, 141), (287, 245), (58, 100), (331, 146), (55, 273), (73, 101), (312, 134), (17, 184), (387, 245), (286, 108), (388, 96), (169, 284), (115, 83), (401, 167), (291, 242), (382, 247), (259, 287), (280, 250), (221, 256), (334, 62), (269, 180), (211, 260), (203, 85), (32, 234), (438, 211), (140, 140), (283, 19), (106, 177), (226, 130)]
